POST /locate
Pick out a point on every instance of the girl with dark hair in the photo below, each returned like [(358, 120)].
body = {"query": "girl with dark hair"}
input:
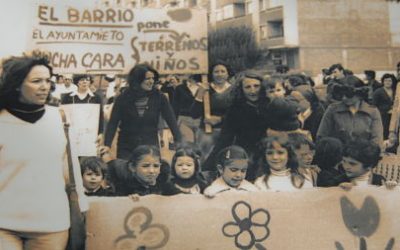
[(221, 95), (280, 166), (137, 111), (232, 165), (185, 169), (383, 99), (140, 175), (34, 210), (328, 157), (243, 123), (352, 117)]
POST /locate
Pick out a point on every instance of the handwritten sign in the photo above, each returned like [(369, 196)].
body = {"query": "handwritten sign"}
[(82, 38), (84, 125), (314, 219)]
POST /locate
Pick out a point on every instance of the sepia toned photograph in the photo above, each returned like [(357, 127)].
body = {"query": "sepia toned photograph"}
[(199, 124)]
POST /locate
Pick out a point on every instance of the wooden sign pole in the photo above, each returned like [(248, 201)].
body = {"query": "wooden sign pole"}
[(207, 107)]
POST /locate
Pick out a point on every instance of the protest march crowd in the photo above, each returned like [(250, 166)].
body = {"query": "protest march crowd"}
[(242, 131)]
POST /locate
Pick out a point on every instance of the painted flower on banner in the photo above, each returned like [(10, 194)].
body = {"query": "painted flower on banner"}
[(249, 227), (140, 233), (362, 222)]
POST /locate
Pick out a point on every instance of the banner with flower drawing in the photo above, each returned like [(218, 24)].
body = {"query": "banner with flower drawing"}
[(367, 218)]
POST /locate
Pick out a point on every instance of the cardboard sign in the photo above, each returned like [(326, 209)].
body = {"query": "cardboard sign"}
[(314, 219), (84, 126), (84, 38)]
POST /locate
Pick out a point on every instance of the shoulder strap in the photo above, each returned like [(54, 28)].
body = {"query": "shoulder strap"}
[(71, 179)]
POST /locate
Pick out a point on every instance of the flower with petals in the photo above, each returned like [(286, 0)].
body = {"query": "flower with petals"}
[(140, 233), (248, 227)]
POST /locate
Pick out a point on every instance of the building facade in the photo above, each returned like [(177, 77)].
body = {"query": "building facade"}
[(311, 34)]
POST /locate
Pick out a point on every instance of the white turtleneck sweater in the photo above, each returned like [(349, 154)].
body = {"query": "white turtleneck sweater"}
[(32, 185), (279, 181)]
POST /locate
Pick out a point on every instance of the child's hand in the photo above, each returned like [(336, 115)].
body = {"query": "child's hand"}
[(134, 197), (390, 184), (209, 195), (105, 153), (347, 186)]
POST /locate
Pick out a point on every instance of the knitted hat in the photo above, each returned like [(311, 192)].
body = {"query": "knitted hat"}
[(282, 115)]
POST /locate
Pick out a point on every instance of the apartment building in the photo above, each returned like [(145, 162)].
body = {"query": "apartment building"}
[(311, 34)]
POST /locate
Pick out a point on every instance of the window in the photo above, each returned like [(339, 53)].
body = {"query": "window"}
[(276, 57), (275, 29), (219, 15), (228, 11), (264, 32), (264, 4), (249, 7)]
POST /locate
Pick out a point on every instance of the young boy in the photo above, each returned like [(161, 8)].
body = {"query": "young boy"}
[(359, 158), (93, 173), (232, 167), (304, 150)]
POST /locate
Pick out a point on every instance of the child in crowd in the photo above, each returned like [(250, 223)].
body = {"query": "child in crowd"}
[(328, 157), (232, 164), (93, 175), (304, 150), (185, 168), (359, 158), (280, 166), (140, 175)]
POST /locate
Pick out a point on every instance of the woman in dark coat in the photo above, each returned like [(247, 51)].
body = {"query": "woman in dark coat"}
[(352, 117), (383, 99), (137, 111), (243, 123)]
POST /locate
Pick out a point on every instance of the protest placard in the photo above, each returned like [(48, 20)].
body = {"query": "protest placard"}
[(93, 39), (84, 126)]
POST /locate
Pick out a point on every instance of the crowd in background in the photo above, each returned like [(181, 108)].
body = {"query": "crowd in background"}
[(239, 131)]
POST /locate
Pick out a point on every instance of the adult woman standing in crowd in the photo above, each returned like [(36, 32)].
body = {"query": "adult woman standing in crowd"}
[(221, 96), (243, 123), (383, 99), (137, 110), (34, 211), (352, 117), (83, 95)]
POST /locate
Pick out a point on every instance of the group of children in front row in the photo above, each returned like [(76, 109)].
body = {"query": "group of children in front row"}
[(287, 163)]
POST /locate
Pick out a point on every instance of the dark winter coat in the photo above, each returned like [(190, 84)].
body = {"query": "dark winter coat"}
[(126, 183), (340, 123), (138, 130)]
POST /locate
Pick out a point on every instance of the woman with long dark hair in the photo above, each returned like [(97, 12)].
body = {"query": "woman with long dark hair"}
[(243, 123), (137, 111)]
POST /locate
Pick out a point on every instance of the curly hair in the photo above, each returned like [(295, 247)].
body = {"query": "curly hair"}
[(239, 96), (292, 164)]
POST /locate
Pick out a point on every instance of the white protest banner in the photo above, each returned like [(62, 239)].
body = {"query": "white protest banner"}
[(331, 218), (82, 38), (84, 125)]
